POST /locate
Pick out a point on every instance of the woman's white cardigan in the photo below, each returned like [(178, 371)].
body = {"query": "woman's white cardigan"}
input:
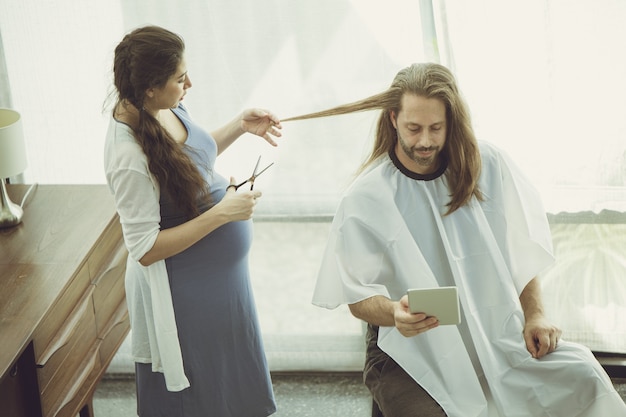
[(151, 311)]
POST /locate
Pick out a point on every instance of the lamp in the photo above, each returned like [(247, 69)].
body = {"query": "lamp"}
[(12, 162)]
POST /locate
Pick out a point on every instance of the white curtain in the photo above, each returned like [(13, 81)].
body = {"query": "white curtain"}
[(288, 56), (546, 81)]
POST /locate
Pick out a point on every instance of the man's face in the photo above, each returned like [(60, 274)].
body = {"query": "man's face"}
[(421, 128)]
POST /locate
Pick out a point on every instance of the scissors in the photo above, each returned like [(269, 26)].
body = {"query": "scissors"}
[(254, 176)]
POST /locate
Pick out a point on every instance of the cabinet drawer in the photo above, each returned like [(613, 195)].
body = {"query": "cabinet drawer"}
[(106, 249), (60, 311), (67, 401), (60, 363), (109, 289), (114, 334)]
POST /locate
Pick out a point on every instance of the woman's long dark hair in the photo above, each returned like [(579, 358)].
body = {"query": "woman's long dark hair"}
[(146, 58), (461, 149)]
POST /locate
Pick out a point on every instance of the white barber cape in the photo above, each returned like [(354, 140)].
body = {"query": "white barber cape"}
[(389, 234)]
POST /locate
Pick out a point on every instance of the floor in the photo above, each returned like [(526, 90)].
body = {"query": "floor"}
[(300, 395)]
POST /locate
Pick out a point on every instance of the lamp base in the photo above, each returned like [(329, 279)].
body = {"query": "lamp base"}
[(10, 213)]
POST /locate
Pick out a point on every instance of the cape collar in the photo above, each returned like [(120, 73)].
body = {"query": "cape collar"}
[(414, 175)]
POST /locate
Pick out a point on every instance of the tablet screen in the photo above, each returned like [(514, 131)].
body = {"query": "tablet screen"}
[(441, 302)]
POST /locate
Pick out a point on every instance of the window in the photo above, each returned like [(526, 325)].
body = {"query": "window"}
[(545, 81)]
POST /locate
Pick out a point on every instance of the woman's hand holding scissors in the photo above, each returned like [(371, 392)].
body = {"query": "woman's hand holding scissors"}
[(238, 205)]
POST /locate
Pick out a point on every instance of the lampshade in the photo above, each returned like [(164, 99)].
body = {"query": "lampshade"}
[(12, 148)]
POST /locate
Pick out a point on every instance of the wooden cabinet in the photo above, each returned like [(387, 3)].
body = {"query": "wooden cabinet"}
[(63, 311)]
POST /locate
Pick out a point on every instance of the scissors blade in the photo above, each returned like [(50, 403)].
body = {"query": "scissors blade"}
[(256, 167), (263, 170), (254, 175)]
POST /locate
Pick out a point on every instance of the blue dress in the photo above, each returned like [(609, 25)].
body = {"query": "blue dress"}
[(215, 313)]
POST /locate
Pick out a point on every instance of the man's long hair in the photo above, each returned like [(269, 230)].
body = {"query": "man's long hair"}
[(460, 150)]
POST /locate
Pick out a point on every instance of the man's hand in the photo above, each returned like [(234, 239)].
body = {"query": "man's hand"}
[(411, 324), (541, 336)]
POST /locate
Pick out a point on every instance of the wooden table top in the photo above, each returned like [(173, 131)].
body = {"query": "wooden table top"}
[(38, 257)]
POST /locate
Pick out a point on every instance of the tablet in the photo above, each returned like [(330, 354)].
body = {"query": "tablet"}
[(442, 302)]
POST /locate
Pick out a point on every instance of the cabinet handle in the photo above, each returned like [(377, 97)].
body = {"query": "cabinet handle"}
[(119, 317), (118, 260)]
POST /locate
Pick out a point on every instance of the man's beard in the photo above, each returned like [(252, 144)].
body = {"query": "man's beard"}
[(411, 152)]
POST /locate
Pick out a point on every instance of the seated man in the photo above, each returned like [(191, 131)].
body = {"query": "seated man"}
[(433, 207)]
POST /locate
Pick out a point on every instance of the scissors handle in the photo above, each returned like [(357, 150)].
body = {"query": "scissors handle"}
[(240, 184)]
